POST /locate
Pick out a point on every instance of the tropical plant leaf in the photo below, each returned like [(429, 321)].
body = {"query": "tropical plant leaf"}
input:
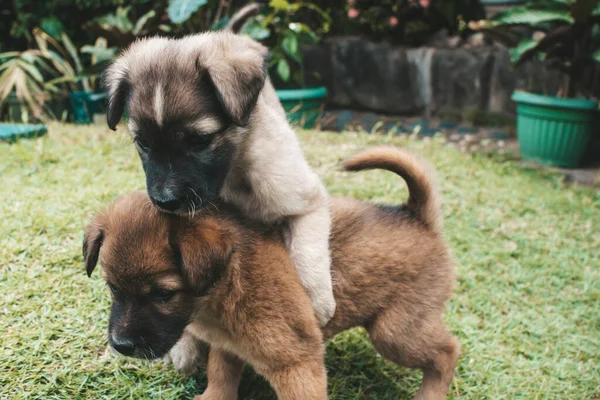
[(181, 10), (283, 69), (45, 66), (43, 39), (305, 32), (290, 45), (279, 4), (122, 20), (596, 55), (52, 26), (559, 38), (72, 52), (220, 24), (99, 53), (32, 70), (9, 54), (119, 19), (76, 60), (256, 30), (139, 25), (516, 53), (532, 17), (23, 79)]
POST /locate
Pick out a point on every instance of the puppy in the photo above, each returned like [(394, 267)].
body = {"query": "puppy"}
[(231, 282), (208, 125)]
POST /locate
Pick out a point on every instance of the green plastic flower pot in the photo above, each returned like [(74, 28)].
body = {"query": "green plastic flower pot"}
[(552, 130), (303, 106), (12, 132)]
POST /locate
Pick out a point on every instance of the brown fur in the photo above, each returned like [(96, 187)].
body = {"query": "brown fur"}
[(392, 275)]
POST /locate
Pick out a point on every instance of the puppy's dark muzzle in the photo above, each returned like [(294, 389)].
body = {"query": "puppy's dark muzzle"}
[(169, 204), (123, 345), (130, 348)]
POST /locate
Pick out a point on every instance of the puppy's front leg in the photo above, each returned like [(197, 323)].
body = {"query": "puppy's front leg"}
[(224, 372), (188, 354), (309, 249)]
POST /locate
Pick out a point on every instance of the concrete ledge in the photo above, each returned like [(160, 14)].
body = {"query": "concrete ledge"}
[(427, 81)]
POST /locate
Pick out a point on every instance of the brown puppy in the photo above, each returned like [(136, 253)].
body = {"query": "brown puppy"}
[(233, 284)]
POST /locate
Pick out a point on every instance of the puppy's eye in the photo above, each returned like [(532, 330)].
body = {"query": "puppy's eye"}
[(200, 142), (162, 295), (112, 287), (142, 143)]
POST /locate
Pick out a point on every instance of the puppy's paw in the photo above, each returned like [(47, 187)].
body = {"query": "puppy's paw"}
[(188, 355), (325, 310)]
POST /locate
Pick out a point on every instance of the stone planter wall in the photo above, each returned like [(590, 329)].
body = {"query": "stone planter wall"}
[(426, 81)]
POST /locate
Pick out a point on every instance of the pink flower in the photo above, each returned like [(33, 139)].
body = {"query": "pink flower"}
[(353, 13), (424, 3), (393, 21)]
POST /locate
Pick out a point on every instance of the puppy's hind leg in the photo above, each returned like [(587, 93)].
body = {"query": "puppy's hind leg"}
[(309, 249), (422, 343)]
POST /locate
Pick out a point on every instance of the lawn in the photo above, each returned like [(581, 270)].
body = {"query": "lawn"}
[(526, 309)]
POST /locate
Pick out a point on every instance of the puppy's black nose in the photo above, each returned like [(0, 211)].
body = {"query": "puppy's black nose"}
[(167, 204), (123, 346)]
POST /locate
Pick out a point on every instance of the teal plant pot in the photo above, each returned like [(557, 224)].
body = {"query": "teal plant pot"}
[(13, 108), (553, 131), (12, 132), (304, 107), (84, 105)]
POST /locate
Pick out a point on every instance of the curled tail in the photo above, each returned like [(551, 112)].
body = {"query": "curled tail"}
[(423, 197), (240, 18)]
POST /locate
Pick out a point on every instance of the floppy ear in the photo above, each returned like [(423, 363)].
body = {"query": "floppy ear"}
[(237, 67), (92, 241), (115, 79), (204, 251)]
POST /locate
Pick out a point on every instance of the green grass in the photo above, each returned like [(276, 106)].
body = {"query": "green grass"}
[(526, 308)]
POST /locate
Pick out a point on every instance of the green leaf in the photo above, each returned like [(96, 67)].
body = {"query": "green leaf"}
[(283, 69), (33, 71), (52, 26), (181, 10), (118, 19), (279, 4), (139, 25), (9, 54), (256, 30), (532, 17), (101, 53), (72, 52), (220, 24), (596, 55), (122, 19), (290, 45), (524, 46)]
